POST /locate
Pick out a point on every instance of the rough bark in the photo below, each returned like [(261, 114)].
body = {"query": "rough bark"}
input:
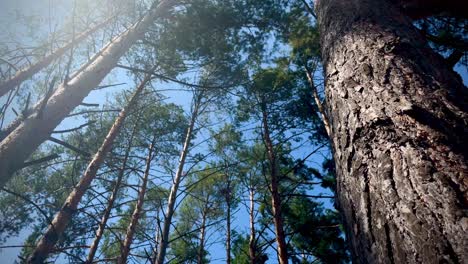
[(28, 72), (37, 127), (47, 242), (164, 239), (275, 195), (110, 204), (398, 119), (125, 251)]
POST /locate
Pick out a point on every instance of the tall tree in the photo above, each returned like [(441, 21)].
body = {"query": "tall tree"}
[(62, 218), (398, 123), (49, 112)]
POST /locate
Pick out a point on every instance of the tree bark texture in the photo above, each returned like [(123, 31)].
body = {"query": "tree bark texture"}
[(47, 242), (398, 118), (28, 72), (37, 127), (275, 195), (131, 229), (164, 239)]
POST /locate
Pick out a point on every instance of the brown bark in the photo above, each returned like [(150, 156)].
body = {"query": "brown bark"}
[(102, 224), (37, 127), (47, 242), (398, 119), (125, 251), (28, 72), (164, 239), (275, 195)]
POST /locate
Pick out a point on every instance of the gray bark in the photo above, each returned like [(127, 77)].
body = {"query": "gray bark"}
[(164, 239), (398, 118), (47, 242), (36, 128)]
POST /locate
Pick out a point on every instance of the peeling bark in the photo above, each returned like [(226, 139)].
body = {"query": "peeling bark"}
[(398, 118)]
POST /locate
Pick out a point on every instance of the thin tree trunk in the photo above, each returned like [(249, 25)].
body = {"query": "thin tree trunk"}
[(201, 248), (252, 251), (275, 195), (102, 225), (28, 72), (316, 97), (37, 127), (138, 208), (399, 126), (228, 222), (46, 244), (175, 186)]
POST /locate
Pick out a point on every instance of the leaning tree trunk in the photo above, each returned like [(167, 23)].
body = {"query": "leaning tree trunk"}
[(37, 127), (46, 244), (28, 72), (398, 119), (110, 204), (228, 219), (164, 239), (138, 207), (275, 195)]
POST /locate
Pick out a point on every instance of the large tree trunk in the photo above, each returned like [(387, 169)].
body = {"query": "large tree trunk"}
[(28, 72), (110, 204), (125, 251), (275, 195), (37, 127), (398, 120), (46, 244), (164, 239)]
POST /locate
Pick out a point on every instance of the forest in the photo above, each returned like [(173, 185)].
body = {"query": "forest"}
[(234, 131)]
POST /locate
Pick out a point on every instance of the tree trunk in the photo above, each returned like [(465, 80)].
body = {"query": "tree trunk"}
[(138, 208), (275, 195), (37, 127), (201, 248), (228, 221), (317, 101), (63, 217), (175, 186), (28, 72), (398, 119), (252, 255), (102, 225)]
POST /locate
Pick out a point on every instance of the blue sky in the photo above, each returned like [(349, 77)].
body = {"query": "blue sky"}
[(9, 9)]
